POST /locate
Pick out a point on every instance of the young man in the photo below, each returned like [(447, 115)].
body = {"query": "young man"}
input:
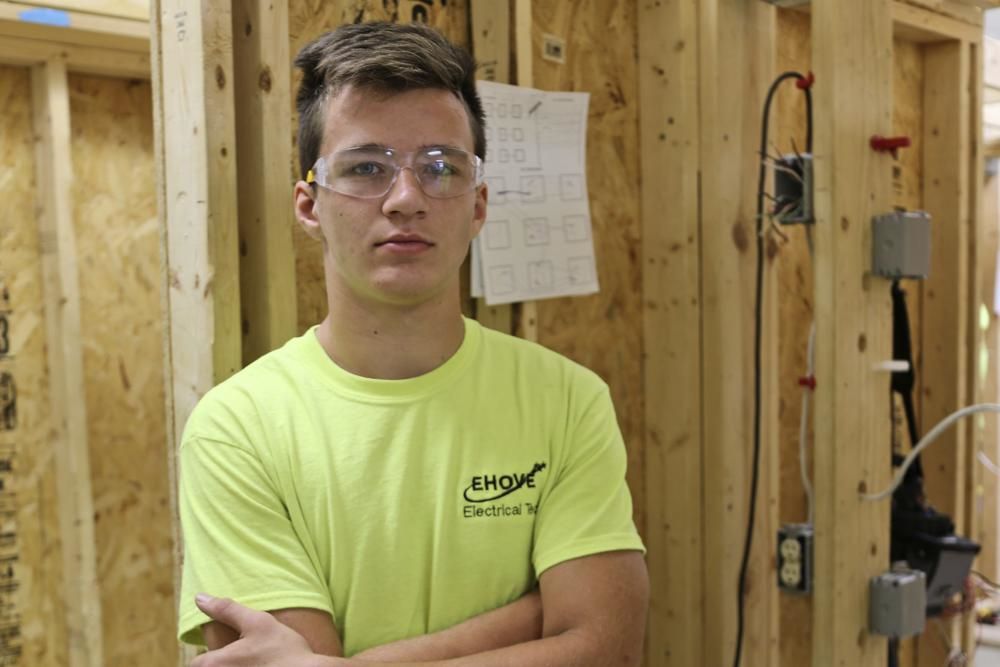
[(400, 485)]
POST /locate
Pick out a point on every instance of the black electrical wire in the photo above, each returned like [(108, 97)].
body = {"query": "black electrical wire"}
[(758, 325)]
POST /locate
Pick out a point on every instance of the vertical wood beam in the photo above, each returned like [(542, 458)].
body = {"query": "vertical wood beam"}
[(852, 58), (736, 55), (263, 126), (491, 39), (54, 178), (526, 320), (671, 260), (974, 477), (196, 163), (945, 326), (946, 290), (946, 310), (987, 433)]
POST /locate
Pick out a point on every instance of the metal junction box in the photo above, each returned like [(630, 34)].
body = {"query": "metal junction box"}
[(898, 602), (901, 244)]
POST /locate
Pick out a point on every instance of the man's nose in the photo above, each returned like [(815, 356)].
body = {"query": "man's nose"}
[(405, 196)]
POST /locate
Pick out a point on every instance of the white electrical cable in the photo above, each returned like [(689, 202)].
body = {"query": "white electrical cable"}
[(931, 436), (989, 465), (804, 424)]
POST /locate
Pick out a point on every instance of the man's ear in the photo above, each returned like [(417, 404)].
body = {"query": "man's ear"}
[(306, 209), (479, 213)]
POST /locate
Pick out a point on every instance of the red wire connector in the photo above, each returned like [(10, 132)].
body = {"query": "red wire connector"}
[(805, 82), (889, 144), (808, 381)]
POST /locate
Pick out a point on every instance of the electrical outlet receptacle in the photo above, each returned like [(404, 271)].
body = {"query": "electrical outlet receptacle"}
[(791, 575), (794, 566)]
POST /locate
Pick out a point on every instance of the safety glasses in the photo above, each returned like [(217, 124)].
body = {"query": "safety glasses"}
[(369, 172)]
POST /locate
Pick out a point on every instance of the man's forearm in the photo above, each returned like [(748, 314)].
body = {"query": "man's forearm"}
[(570, 649), (515, 623)]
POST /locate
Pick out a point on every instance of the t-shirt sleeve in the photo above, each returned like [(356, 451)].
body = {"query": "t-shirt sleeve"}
[(588, 509), (239, 541)]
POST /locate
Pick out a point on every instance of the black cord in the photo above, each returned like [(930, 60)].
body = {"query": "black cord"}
[(758, 324)]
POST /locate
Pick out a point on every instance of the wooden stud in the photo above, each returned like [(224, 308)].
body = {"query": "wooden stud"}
[(987, 365), (946, 290), (491, 39), (526, 321), (200, 197), (50, 97), (192, 73), (973, 477), (736, 55), (852, 42), (986, 434), (668, 98), (944, 326), (490, 21), (263, 91)]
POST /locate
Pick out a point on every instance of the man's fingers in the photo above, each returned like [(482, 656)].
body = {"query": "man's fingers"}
[(226, 611)]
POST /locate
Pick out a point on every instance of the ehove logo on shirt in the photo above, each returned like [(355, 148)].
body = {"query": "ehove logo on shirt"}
[(487, 488)]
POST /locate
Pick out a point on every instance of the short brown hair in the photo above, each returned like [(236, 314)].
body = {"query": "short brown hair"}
[(384, 57)]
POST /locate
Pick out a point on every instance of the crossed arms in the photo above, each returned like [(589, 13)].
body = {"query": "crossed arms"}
[(589, 611)]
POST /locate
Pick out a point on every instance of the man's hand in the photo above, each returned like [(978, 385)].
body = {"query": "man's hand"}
[(264, 641)]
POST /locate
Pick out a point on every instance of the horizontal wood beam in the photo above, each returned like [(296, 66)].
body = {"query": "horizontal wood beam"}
[(83, 59), (919, 24), (74, 28), (968, 11), (132, 9)]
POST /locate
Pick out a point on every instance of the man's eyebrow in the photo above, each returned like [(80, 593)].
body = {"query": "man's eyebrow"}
[(368, 147), (382, 147)]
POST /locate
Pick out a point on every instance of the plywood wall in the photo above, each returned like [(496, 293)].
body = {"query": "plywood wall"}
[(38, 572), (118, 259), (600, 53)]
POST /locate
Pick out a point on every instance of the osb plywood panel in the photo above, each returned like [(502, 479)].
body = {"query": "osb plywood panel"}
[(38, 572), (118, 257), (795, 304), (603, 331), (307, 19)]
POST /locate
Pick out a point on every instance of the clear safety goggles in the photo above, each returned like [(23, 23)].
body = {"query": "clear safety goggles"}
[(370, 171)]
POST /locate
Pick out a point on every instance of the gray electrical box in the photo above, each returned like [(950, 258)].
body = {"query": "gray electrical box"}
[(901, 244), (898, 603)]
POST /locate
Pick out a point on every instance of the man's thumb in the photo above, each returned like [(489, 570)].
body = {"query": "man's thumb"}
[(223, 610)]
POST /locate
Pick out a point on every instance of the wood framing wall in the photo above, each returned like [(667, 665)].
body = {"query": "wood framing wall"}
[(83, 446), (673, 133), (918, 36)]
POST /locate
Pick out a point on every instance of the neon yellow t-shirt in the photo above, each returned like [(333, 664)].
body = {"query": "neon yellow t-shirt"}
[(401, 507)]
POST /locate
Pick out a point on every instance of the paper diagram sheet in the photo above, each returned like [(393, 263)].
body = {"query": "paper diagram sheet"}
[(537, 241)]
